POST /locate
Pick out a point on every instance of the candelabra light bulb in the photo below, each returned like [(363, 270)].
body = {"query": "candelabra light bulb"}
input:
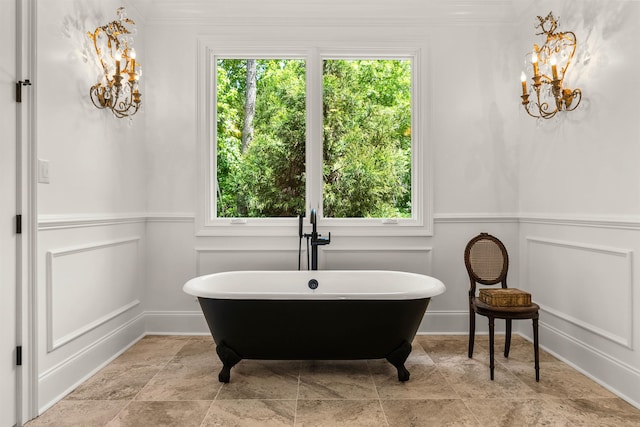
[(554, 68)]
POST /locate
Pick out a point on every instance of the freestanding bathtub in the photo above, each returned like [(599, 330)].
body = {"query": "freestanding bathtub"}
[(317, 315)]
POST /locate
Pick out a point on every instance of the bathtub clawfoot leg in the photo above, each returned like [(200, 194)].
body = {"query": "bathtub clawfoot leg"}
[(397, 358), (229, 359)]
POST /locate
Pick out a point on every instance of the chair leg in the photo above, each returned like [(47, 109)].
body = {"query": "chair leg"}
[(535, 348), (491, 339), (472, 332), (507, 338)]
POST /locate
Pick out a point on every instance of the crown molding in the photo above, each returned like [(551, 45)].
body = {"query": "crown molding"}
[(326, 12)]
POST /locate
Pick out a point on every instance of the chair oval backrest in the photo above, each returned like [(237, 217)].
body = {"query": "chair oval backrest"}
[(486, 260)]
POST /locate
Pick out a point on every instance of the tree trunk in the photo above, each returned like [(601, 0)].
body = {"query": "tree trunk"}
[(247, 128), (249, 105)]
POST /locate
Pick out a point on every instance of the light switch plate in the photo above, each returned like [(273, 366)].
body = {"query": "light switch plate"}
[(43, 171)]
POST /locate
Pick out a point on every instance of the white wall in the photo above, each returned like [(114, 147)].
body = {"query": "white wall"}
[(579, 198), (91, 223)]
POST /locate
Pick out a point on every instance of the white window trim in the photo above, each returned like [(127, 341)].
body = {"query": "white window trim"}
[(421, 223)]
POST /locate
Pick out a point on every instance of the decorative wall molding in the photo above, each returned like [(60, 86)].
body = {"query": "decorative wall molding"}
[(612, 221), (52, 342), (55, 344), (375, 249), (625, 341), (54, 222), (622, 341), (621, 252), (170, 217), (444, 218), (57, 222)]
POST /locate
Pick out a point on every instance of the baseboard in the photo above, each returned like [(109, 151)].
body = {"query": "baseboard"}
[(442, 322), (58, 381), (453, 322), (175, 323), (616, 376)]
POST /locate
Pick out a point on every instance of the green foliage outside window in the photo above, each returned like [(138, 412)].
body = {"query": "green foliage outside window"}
[(366, 138), (267, 178)]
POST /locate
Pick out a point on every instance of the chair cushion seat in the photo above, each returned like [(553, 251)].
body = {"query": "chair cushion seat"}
[(515, 312)]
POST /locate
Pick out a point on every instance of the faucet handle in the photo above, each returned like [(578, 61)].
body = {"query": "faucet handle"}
[(324, 240)]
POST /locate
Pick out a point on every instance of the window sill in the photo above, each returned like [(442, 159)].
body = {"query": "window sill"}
[(338, 228)]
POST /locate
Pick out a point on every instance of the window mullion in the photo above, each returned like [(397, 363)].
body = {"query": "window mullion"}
[(314, 132)]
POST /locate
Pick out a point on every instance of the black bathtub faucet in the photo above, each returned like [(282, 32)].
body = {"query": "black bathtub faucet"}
[(316, 240)]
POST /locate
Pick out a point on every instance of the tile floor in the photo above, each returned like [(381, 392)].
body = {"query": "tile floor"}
[(172, 381)]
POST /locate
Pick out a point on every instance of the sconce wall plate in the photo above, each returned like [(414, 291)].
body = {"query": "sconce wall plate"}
[(118, 88), (549, 64)]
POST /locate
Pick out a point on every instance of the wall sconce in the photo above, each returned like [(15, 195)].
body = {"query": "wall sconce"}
[(549, 66), (118, 88)]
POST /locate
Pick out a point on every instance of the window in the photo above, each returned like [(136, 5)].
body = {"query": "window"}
[(336, 132)]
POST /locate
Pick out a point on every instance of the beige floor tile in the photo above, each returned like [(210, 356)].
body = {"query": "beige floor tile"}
[(335, 413), (452, 349), (251, 413), (182, 381), (559, 381), (613, 412), (474, 381), (336, 380), (68, 413), (178, 414), (435, 412), (426, 382), (173, 381), (264, 379), (115, 382), (152, 350), (514, 412), (418, 355), (199, 351)]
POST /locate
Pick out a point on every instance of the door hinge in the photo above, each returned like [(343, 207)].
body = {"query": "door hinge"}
[(18, 224), (19, 85), (19, 355)]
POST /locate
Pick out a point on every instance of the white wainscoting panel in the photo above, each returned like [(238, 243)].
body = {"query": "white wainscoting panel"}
[(586, 285), (414, 260), (215, 260), (89, 285)]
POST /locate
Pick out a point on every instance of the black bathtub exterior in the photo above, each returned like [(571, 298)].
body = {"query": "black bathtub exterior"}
[(340, 329)]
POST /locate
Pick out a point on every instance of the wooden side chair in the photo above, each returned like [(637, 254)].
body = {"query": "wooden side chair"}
[(487, 263)]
